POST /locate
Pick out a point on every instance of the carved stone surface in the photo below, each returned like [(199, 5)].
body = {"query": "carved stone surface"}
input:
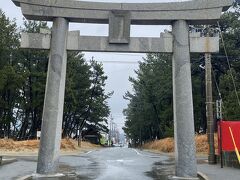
[(119, 27)]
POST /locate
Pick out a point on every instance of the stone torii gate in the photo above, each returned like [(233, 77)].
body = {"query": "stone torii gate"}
[(120, 16)]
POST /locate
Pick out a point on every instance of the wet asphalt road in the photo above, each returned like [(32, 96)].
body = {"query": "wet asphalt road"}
[(103, 164)]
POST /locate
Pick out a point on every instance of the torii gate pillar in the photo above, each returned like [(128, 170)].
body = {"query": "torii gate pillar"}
[(54, 99), (183, 102)]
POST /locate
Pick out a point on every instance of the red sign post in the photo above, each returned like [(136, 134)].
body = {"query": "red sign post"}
[(226, 139)]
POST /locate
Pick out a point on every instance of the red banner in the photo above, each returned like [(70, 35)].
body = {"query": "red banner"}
[(225, 136)]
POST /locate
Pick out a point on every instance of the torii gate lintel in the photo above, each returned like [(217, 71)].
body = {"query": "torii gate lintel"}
[(163, 44)]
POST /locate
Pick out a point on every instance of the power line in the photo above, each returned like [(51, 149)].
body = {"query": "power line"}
[(230, 69), (216, 84)]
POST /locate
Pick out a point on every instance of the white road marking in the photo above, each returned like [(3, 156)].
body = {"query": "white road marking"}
[(120, 160), (88, 152), (140, 154)]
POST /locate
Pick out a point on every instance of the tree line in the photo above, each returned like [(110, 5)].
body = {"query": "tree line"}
[(149, 114), (22, 87)]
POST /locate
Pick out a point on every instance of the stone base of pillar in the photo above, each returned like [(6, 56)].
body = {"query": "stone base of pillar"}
[(44, 176), (41, 176), (201, 176), (182, 178)]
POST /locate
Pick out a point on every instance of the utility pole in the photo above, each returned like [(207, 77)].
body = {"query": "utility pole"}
[(209, 109), (79, 136), (109, 134), (110, 131)]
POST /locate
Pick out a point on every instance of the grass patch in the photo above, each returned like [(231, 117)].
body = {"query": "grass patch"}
[(167, 145)]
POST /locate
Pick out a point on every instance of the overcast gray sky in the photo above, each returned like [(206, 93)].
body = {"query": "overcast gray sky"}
[(118, 73)]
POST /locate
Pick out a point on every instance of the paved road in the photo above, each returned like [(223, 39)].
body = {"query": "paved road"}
[(114, 164), (109, 163)]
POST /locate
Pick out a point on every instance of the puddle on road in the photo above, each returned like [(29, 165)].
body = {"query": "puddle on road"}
[(62, 178), (69, 174), (89, 172), (162, 170)]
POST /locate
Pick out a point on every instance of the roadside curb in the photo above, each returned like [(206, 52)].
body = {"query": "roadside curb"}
[(158, 152), (61, 154), (170, 154), (7, 161), (25, 177), (202, 176)]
